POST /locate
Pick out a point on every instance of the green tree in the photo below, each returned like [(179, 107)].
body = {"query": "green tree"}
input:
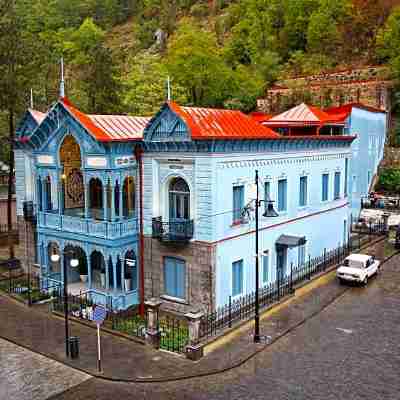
[(95, 73), (146, 86), (195, 61)]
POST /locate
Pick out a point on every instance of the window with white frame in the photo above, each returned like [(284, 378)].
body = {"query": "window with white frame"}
[(325, 187), (303, 191), (282, 195), (237, 278), (174, 277), (302, 254), (238, 202), (267, 193), (337, 185)]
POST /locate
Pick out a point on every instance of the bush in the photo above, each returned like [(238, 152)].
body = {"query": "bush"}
[(389, 180)]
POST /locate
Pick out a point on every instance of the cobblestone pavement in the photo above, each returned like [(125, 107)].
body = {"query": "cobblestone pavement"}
[(349, 351), (26, 375)]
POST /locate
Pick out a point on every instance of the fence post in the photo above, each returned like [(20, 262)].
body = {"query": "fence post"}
[(230, 312), (194, 350), (309, 267), (324, 258), (385, 217), (291, 277), (153, 331)]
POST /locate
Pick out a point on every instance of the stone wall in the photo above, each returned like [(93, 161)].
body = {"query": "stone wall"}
[(27, 242), (370, 86), (200, 274)]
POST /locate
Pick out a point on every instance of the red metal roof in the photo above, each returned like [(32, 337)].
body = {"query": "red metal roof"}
[(210, 123), (303, 114), (108, 128), (345, 110), (260, 116)]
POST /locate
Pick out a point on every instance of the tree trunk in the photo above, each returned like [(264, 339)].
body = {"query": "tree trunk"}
[(10, 178)]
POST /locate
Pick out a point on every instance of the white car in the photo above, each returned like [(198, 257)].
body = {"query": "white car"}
[(358, 268)]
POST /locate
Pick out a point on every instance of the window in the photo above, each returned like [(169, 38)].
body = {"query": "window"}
[(179, 199), (265, 275), (267, 193), (337, 185), (302, 254), (238, 202), (369, 178), (174, 277), (282, 195), (325, 187), (346, 171), (303, 191), (354, 184), (237, 278)]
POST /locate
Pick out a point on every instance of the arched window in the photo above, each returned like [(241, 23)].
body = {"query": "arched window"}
[(47, 193), (96, 197), (98, 267), (128, 198), (179, 199), (130, 267)]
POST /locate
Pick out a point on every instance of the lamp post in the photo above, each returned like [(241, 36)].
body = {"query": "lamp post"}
[(269, 212), (74, 262)]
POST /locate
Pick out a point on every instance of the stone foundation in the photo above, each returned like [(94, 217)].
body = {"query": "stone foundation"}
[(200, 274), (27, 242)]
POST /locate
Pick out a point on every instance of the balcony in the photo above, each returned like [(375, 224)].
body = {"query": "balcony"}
[(172, 232), (89, 227)]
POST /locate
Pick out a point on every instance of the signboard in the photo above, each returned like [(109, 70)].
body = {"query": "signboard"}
[(99, 315)]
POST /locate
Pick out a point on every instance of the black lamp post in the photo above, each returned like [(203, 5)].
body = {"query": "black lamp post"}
[(74, 262), (269, 212)]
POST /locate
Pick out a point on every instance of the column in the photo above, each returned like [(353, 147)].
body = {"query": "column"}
[(123, 275), (115, 273), (113, 203), (89, 266), (121, 189), (194, 350), (44, 192), (105, 202), (59, 197), (86, 189), (106, 261), (62, 263), (152, 332)]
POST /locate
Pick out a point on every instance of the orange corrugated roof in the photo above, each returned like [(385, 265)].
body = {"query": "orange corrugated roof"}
[(106, 128), (210, 123), (303, 114), (260, 116), (345, 110)]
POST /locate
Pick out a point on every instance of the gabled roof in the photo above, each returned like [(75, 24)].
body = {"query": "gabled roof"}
[(210, 123), (346, 109), (301, 115), (38, 116), (109, 128), (259, 116)]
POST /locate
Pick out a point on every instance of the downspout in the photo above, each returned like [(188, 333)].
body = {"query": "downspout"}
[(138, 155)]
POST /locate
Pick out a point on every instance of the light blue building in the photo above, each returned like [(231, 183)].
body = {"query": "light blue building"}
[(183, 179), (369, 125), (80, 173)]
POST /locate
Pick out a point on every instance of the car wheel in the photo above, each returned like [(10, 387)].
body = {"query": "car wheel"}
[(340, 281), (365, 281)]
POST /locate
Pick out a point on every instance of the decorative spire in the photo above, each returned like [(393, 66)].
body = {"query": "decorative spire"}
[(168, 89), (62, 85), (31, 99)]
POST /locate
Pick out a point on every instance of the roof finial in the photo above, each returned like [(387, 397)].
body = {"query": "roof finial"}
[(62, 86), (31, 99), (168, 89)]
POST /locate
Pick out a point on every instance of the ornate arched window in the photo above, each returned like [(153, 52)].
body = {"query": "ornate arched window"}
[(179, 200)]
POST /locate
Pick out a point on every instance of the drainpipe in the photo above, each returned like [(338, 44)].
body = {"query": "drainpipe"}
[(138, 155)]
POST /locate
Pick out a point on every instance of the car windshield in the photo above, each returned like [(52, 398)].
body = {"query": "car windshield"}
[(353, 264)]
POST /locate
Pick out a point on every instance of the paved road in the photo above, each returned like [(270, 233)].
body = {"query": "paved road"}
[(26, 375), (348, 351)]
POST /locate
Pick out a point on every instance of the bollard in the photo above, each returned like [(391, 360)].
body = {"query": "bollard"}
[(153, 332), (194, 350)]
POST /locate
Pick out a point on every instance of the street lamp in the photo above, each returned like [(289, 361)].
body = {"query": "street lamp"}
[(269, 213), (74, 262)]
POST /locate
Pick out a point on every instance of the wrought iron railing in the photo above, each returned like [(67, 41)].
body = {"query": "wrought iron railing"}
[(173, 231)]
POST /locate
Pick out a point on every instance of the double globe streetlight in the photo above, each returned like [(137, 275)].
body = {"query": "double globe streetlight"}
[(74, 262), (269, 213)]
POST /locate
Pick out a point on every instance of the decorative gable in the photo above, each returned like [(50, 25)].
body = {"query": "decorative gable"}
[(27, 125), (166, 126)]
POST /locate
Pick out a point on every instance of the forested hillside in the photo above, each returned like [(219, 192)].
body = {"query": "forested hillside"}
[(225, 53)]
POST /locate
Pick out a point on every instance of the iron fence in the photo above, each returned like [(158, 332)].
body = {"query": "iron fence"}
[(243, 308), (381, 203), (174, 334)]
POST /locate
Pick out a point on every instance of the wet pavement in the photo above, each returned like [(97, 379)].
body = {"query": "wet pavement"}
[(27, 375), (350, 350)]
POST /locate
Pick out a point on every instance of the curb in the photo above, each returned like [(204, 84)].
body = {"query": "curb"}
[(211, 372)]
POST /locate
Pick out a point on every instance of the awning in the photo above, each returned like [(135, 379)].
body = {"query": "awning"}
[(290, 241)]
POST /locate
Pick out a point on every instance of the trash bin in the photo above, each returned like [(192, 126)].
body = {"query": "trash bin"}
[(73, 346)]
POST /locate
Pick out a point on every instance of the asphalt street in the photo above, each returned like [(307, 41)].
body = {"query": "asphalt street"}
[(350, 350)]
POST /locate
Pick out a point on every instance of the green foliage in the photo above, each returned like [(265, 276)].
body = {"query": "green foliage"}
[(389, 180), (146, 88)]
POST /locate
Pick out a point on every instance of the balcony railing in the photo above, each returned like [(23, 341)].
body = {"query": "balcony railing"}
[(90, 227), (176, 231)]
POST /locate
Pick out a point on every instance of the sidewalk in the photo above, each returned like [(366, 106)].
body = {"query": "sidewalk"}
[(129, 361)]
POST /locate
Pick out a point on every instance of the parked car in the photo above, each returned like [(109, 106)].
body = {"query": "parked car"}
[(358, 268)]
